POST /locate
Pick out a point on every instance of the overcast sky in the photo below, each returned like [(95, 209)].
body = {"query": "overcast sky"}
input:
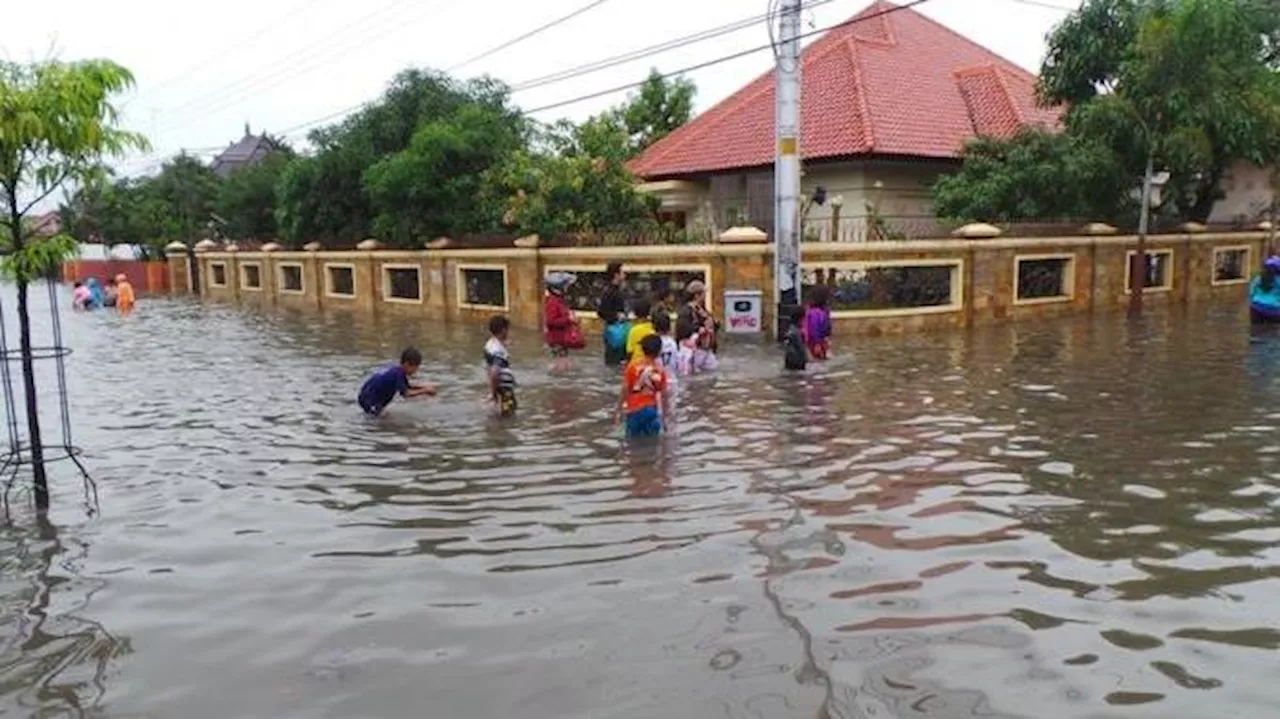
[(204, 69)]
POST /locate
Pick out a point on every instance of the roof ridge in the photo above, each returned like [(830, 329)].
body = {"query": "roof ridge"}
[(883, 9), (1004, 60), (868, 127)]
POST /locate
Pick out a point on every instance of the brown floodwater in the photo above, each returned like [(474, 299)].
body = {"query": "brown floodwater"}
[(1073, 518)]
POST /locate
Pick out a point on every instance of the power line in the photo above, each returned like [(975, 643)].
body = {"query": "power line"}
[(1046, 5), (708, 34), (287, 66), (723, 59), (222, 51), (521, 38), (596, 66)]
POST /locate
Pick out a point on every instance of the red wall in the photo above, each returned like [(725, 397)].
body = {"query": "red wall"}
[(145, 276)]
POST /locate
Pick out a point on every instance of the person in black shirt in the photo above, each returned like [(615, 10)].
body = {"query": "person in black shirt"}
[(613, 313), (793, 343)]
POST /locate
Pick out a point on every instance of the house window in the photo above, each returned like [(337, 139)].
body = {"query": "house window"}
[(218, 272), (291, 278), (1159, 271), (340, 280), (1231, 265), (482, 287), (1044, 278), (402, 283), (251, 276), (907, 287)]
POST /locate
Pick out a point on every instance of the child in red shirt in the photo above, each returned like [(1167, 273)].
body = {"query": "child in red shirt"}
[(644, 386)]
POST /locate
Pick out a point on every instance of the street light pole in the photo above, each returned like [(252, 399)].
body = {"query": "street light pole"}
[(786, 171)]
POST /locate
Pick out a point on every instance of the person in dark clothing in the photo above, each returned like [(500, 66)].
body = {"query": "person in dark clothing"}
[(612, 310), (796, 355)]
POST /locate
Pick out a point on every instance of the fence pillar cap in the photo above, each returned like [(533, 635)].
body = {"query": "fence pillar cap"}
[(1192, 227), (175, 248), (977, 231), (313, 246), (1099, 228), (528, 241), (440, 243), (271, 247), (1265, 225), (744, 234), (368, 245), (206, 245), (231, 247)]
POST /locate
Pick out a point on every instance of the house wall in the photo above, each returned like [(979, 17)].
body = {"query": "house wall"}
[(984, 276), (898, 191), (1247, 194)]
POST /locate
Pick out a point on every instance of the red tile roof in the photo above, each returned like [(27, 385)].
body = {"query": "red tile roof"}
[(893, 84)]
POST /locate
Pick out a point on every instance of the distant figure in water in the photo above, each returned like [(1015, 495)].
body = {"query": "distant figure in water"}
[(796, 358), (384, 384), (502, 381), (817, 323), (112, 295), (95, 293), (124, 293), (80, 297), (1264, 293)]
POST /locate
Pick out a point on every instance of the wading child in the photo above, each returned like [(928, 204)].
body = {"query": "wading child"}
[(817, 323), (383, 385), (670, 354), (502, 382), (644, 388), (641, 327), (124, 294), (793, 343)]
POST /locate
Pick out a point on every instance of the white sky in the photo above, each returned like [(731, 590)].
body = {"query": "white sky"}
[(204, 69)]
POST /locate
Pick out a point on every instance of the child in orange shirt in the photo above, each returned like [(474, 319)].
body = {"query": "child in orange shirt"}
[(644, 385)]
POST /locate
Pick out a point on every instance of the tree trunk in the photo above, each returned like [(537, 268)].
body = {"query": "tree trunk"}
[(40, 481)]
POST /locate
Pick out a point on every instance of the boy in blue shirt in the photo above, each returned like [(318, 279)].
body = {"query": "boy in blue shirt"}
[(383, 385)]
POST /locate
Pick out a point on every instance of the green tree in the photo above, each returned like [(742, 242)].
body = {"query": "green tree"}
[(246, 200), (1037, 174), (328, 197), (187, 190), (656, 110), (1188, 85), (57, 124)]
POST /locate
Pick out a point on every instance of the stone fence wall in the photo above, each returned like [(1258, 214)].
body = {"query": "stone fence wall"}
[(877, 287)]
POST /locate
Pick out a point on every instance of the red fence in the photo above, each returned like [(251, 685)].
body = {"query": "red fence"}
[(145, 276)]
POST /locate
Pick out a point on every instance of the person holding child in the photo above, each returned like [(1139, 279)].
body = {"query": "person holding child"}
[(612, 309), (699, 323)]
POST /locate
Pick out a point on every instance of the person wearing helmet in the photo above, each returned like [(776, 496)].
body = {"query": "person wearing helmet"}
[(560, 327), (1264, 293)]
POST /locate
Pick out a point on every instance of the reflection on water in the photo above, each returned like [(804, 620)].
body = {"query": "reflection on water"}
[(1072, 519)]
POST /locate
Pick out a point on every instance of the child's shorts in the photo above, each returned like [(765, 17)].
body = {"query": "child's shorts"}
[(644, 423), (372, 410)]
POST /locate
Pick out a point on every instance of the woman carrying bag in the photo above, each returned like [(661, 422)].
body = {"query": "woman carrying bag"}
[(613, 313)]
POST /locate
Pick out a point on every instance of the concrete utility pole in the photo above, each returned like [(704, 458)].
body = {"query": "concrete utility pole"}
[(786, 170)]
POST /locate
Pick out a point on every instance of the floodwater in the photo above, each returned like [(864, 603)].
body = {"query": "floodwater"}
[(1059, 519)]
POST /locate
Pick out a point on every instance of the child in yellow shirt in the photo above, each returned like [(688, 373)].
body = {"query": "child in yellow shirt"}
[(640, 328)]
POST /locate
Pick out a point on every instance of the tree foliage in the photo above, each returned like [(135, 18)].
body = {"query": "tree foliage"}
[(1037, 174), (398, 168), (246, 200), (1190, 84)]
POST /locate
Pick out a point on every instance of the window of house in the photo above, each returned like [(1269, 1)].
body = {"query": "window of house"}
[(402, 283), (1230, 265), (1044, 278), (891, 287), (218, 270), (482, 287), (340, 280), (251, 276), (291, 278), (1158, 274)]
